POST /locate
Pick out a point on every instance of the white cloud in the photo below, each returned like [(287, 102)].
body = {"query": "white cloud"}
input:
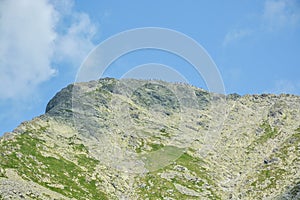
[(285, 86), (76, 42), (26, 40), (64, 7), (281, 13), (31, 41), (276, 15), (235, 35)]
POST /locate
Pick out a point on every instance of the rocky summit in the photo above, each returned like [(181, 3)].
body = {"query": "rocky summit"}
[(138, 139)]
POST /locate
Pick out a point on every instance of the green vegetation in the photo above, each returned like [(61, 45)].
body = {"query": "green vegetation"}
[(139, 148), (270, 175), (2, 174), (155, 146), (273, 172), (162, 157), (293, 140), (68, 110), (84, 160), (156, 187), (80, 148), (164, 133), (269, 133), (29, 163)]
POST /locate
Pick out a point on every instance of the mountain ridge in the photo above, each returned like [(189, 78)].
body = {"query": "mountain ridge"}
[(135, 139)]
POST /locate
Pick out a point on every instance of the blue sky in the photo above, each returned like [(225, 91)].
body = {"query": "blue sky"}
[(254, 43)]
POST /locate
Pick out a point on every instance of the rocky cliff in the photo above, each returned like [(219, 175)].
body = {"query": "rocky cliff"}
[(135, 139)]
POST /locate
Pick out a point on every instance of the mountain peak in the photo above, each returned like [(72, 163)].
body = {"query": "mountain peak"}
[(137, 139)]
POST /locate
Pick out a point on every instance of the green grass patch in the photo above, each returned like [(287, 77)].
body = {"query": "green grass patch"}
[(156, 187), (268, 174), (140, 147), (272, 172), (269, 133), (155, 146), (30, 163), (164, 133), (80, 148)]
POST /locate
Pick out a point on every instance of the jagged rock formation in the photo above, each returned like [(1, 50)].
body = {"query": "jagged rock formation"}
[(134, 139)]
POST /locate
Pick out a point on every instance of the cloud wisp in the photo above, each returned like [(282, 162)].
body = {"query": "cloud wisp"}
[(75, 38), (235, 35), (283, 86), (279, 14), (276, 15)]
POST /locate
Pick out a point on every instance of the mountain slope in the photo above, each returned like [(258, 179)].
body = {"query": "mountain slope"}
[(134, 139)]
